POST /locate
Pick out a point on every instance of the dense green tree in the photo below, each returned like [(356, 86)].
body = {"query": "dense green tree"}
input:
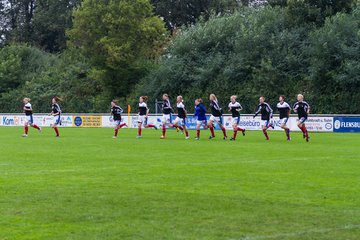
[(334, 69), (119, 37), (37, 22), (312, 11), (51, 19), (259, 52), (185, 12)]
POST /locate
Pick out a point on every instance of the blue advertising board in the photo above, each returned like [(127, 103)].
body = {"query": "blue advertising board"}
[(346, 124)]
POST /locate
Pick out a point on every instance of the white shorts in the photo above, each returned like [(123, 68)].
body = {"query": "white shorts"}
[(29, 119), (283, 121), (218, 120), (142, 119), (265, 123), (166, 118), (201, 122), (56, 120), (235, 120), (180, 121)]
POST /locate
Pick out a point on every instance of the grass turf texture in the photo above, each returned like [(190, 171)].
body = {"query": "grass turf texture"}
[(87, 185)]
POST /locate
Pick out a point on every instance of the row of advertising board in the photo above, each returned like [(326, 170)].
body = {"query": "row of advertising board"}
[(315, 123)]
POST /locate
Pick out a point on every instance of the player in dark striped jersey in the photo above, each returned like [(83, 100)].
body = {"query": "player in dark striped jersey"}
[(284, 112), (302, 108), (200, 114), (166, 118), (143, 115), (235, 108), (266, 115), (56, 113), (180, 121), (29, 117), (216, 116), (116, 112)]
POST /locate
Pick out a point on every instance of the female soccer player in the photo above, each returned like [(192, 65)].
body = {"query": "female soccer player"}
[(29, 117), (200, 113), (180, 121), (216, 116), (143, 115), (56, 112), (235, 108), (266, 114), (116, 111), (166, 118), (284, 112), (302, 108)]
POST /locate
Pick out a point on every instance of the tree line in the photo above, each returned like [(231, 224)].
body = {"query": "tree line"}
[(89, 52)]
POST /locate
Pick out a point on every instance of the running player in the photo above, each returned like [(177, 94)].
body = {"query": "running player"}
[(216, 116), (180, 121), (56, 112), (266, 114), (143, 115), (29, 117), (284, 112), (166, 118), (235, 108), (200, 113), (116, 112), (302, 108)]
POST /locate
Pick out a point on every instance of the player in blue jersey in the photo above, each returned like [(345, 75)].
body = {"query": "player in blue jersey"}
[(200, 114)]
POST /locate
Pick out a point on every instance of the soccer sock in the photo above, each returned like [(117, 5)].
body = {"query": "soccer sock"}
[(240, 129), (306, 131), (57, 131), (36, 126), (198, 133), (26, 129), (163, 130), (235, 133), (186, 133), (139, 131), (116, 132), (150, 125), (266, 134), (122, 125), (181, 128), (212, 131), (224, 131), (287, 131), (302, 129)]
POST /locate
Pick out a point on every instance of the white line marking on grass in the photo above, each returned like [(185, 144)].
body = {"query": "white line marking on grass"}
[(300, 233)]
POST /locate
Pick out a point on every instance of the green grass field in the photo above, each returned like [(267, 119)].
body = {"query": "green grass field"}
[(87, 185)]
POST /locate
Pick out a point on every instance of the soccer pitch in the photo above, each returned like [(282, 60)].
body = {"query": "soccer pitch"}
[(86, 185)]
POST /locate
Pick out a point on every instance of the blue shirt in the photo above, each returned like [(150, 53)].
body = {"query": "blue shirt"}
[(200, 112)]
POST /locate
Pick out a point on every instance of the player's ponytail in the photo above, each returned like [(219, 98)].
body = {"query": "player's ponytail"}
[(213, 96), (145, 98), (57, 99)]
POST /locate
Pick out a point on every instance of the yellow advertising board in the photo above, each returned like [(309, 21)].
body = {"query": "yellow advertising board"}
[(87, 121)]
